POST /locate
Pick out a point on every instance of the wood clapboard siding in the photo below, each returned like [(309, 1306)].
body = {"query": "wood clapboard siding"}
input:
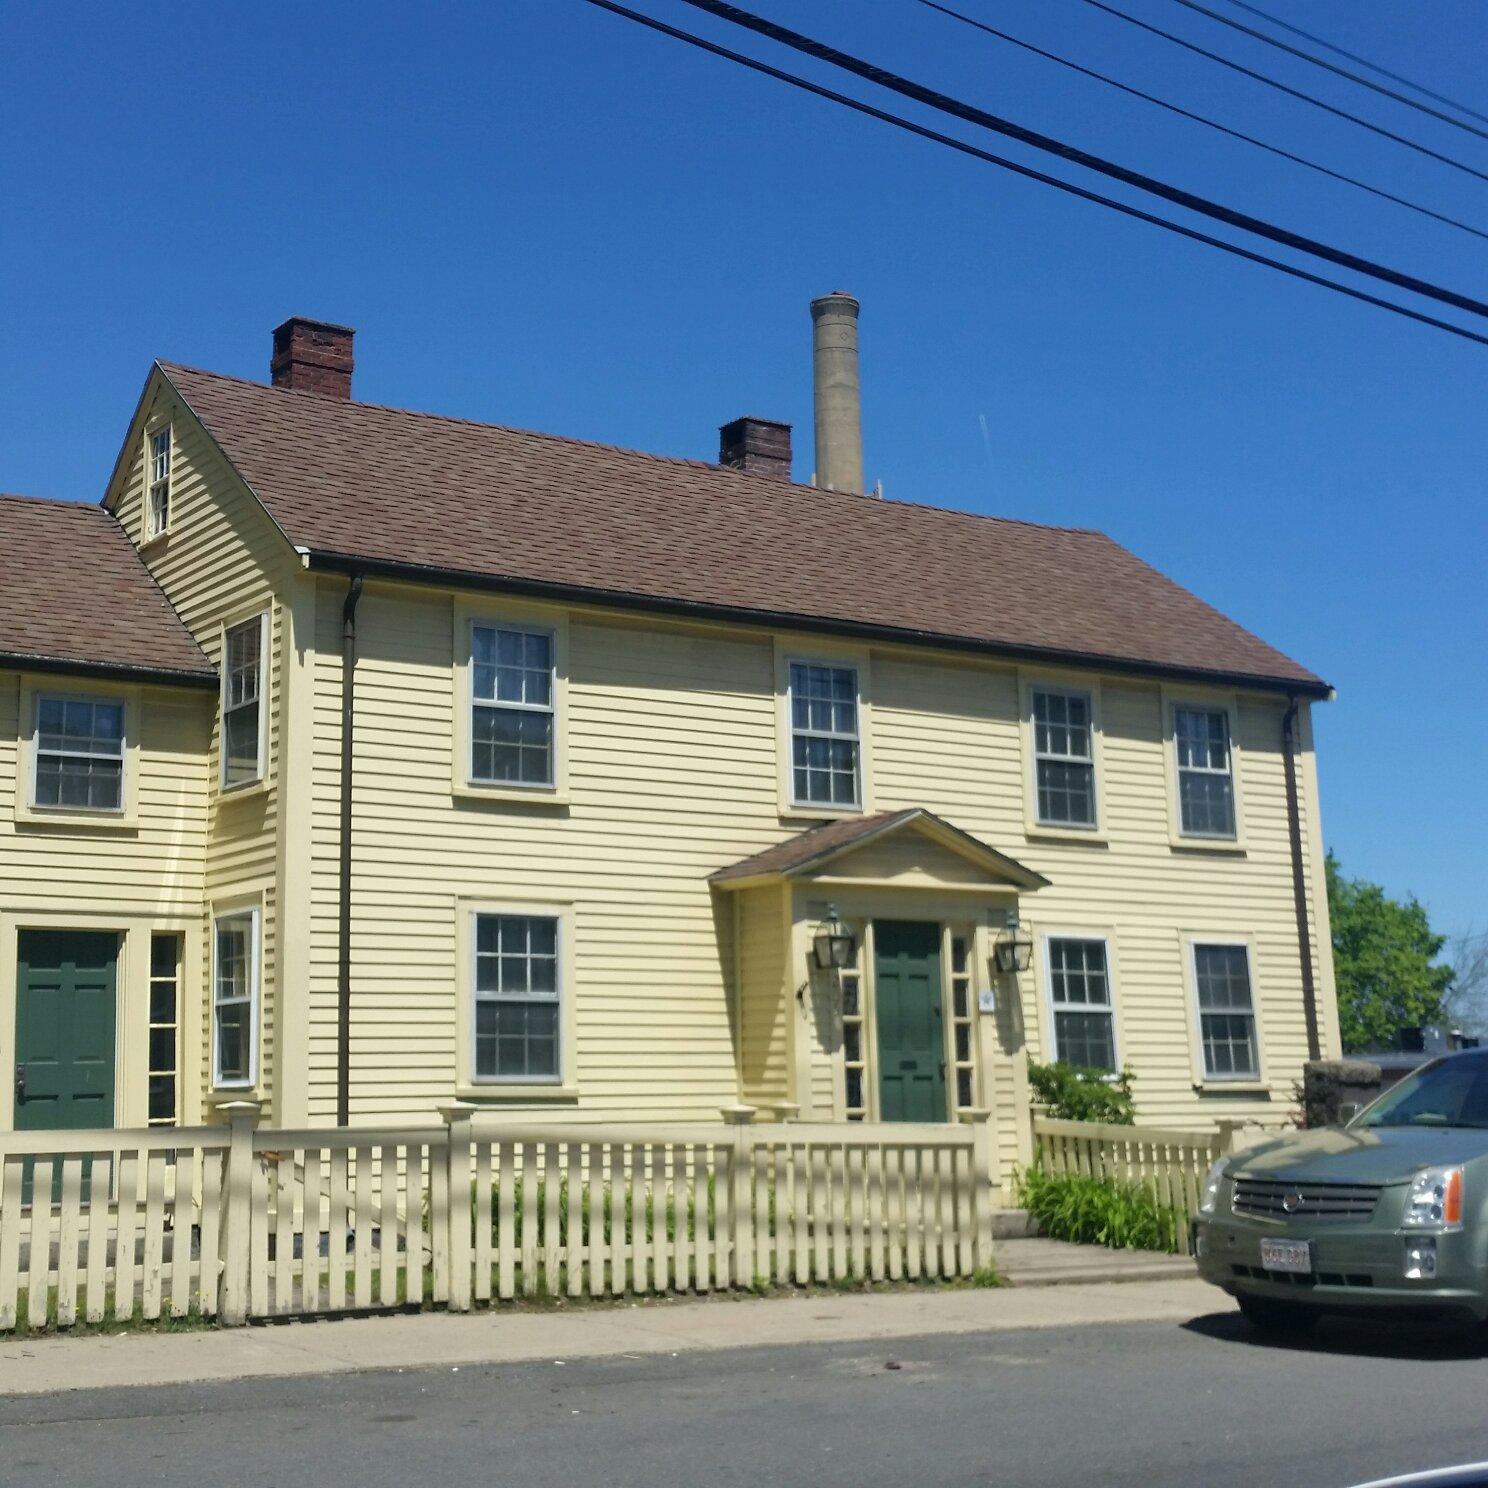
[(672, 776), (222, 560), (947, 737), (765, 996)]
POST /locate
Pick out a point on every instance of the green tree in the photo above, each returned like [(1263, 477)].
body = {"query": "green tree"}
[(1384, 954)]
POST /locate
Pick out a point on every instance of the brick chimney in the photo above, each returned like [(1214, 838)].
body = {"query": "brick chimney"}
[(756, 446), (312, 356)]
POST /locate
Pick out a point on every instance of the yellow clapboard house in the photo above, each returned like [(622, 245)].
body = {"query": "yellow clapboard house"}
[(361, 760)]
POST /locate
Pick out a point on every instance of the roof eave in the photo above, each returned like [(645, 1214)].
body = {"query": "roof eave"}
[(117, 671), (328, 561)]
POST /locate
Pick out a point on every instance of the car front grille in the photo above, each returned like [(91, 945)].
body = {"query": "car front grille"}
[(1339, 1202)]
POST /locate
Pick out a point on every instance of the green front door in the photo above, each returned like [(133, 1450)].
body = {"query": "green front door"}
[(64, 1046), (911, 1035)]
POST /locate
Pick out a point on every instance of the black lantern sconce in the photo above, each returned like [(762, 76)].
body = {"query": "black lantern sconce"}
[(834, 947), (1013, 950)]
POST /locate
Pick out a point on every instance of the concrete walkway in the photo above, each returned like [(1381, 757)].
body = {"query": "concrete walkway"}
[(421, 1340), (1035, 1261)]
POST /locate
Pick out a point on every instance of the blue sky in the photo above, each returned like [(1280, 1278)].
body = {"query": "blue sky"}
[(536, 214)]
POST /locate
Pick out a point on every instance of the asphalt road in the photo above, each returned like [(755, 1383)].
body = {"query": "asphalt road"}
[(1139, 1403)]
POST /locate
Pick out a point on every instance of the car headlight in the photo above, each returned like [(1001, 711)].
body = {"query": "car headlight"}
[(1209, 1198), (1435, 1200)]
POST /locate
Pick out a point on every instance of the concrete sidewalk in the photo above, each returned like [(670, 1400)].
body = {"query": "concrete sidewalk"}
[(420, 1340), (1035, 1261)]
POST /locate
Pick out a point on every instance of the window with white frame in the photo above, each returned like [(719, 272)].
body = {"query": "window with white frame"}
[(242, 702), (512, 685), (1227, 1025), (1080, 994), (235, 998), (160, 481), (518, 998), (79, 754), (1206, 787), (825, 752), (1064, 757)]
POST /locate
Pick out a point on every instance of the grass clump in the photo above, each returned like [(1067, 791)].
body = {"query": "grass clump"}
[(1100, 1211)]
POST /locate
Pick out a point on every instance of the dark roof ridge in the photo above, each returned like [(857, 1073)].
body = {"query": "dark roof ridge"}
[(725, 471), (67, 501)]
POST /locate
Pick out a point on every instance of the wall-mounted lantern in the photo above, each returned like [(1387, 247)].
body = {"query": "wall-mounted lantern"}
[(834, 947), (1013, 949)]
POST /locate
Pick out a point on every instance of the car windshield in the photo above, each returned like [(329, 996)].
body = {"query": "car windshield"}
[(1450, 1092)]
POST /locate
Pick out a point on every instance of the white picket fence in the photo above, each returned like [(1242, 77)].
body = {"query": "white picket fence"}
[(237, 1222)]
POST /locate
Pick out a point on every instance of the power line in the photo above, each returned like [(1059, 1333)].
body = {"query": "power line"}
[(1327, 66), (1291, 92), (1029, 173), (1184, 113), (1394, 77), (883, 78)]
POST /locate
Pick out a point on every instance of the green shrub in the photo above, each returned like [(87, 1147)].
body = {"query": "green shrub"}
[(1074, 1094), (1100, 1211)]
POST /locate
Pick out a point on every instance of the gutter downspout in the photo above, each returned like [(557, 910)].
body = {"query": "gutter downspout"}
[(1289, 746), (343, 967)]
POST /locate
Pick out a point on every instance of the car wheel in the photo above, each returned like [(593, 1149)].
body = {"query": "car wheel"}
[(1273, 1316)]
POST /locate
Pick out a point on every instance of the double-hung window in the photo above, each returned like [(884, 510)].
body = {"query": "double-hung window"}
[(825, 745), (512, 676), (242, 702), (1206, 786), (518, 998), (160, 482), (235, 998), (79, 754), (1080, 993), (1064, 758), (1227, 1024)]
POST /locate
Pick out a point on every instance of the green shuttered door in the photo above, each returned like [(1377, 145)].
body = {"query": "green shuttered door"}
[(911, 1035), (64, 1074)]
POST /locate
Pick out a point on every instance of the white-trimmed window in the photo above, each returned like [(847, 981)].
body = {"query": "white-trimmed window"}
[(1206, 785), (79, 756), (242, 701), (513, 680), (1227, 1024), (1064, 757), (235, 999), (1080, 997), (518, 999), (160, 482), (825, 743)]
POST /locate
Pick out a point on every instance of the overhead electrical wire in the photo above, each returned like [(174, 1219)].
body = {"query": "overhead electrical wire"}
[(1291, 92), (880, 76), (1343, 72), (1327, 45), (1029, 173), (1208, 123)]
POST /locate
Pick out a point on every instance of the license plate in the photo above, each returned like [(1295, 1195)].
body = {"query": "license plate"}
[(1287, 1255)]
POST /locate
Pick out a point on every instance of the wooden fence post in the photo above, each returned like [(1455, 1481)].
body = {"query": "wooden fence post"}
[(740, 1267), (979, 1119), (1229, 1129), (458, 1153), (234, 1238)]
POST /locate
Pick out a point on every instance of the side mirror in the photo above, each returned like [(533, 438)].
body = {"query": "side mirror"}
[(1347, 1110)]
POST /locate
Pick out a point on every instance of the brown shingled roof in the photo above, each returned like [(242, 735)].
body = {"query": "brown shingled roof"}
[(484, 504), (819, 845), (77, 597)]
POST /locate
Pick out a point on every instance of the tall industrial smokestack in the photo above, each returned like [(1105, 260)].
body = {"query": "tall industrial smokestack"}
[(839, 428)]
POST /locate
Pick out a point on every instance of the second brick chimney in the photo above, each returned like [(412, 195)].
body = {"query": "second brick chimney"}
[(756, 446), (312, 356)]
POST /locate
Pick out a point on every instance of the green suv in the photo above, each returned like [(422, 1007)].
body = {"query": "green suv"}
[(1387, 1212)]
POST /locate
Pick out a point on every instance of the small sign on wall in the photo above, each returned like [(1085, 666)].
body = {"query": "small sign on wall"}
[(986, 1000)]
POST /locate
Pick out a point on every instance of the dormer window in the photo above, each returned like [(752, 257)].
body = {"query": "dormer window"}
[(160, 481)]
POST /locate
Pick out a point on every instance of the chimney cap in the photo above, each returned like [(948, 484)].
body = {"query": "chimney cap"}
[(839, 299), (311, 323)]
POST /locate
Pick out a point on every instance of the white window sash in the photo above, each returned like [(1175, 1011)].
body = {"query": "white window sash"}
[(161, 460), (231, 710), (250, 998), (834, 736), (556, 997), (116, 752), (548, 709)]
